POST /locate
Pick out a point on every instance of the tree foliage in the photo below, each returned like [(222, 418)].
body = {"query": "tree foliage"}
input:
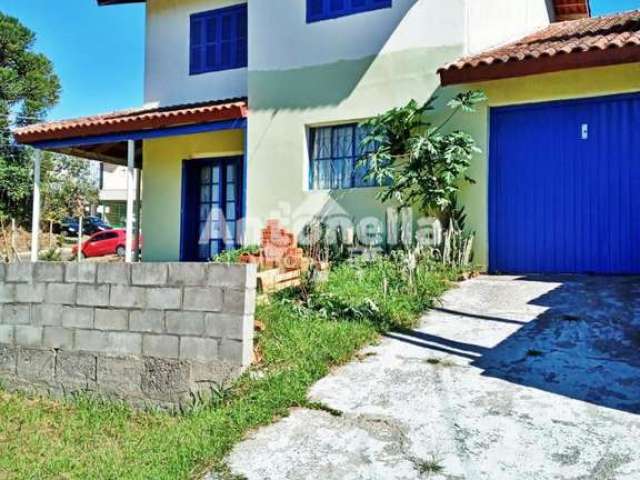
[(28, 88), (69, 187), (419, 163)]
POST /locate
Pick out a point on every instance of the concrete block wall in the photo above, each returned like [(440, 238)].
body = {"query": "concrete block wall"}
[(146, 333)]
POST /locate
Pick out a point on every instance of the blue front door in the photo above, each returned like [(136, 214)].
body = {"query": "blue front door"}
[(212, 207), (564, 187)]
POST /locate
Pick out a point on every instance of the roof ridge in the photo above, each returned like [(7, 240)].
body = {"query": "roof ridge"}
[(625, 20), (126, 113)]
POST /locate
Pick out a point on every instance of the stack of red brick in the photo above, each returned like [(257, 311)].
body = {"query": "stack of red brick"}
[(278, 249)]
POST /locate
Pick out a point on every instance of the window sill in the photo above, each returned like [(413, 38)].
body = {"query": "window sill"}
[(196, 74)]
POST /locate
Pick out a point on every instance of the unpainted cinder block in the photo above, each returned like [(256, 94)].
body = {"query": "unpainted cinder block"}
[(8, 359), (187, 274), (236, 352), (28, 336), (202, 299), (222, 325), (111, 319), (164, 298), (240, 301), (114, 273), (58, 337), (160, 346), (149, 321), (15, 314), (30, 292), (7, 334), (19, 272), (119, 375), (200, 349), (46, 314), (93, 295), (7, 293), (77, 317), (49, 272), (80, 272), (185, 323), (149, 274), (237, 276), (76, 368), (128, 297), (165, 377), (37, 365), (60, 293), (114, 343)]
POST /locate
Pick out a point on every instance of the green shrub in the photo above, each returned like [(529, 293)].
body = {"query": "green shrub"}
[(389, 292), (233, 256), (51, 255)]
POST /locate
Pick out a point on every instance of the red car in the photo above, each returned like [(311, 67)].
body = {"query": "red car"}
[(106, 243)]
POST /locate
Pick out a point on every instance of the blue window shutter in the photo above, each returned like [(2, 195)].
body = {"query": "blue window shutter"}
[(197, 45), (219, 40), (212, 43), (241, 35), (315, 9), (318, 10)]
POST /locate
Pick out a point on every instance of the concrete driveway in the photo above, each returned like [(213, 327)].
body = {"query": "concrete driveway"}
[(513, 378)]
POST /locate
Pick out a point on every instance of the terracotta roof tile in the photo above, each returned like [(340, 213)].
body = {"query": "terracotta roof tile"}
[(558, 39), (133, 120)]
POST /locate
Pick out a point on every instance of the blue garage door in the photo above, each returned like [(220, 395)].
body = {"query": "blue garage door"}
[(565, 187)]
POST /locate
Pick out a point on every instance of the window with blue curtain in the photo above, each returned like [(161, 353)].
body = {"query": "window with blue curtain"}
[(335, 154), (318, 10), (219, 40)]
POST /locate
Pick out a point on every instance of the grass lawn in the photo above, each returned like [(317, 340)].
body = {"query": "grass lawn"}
[(85, 438)]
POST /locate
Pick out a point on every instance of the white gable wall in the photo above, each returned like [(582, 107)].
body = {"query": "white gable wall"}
[(167, 79), (494, 22)]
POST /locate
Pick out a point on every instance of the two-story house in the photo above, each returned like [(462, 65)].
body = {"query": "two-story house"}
[(252, 110)]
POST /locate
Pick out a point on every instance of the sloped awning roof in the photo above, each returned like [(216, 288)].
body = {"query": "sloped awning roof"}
[(103, 137), (585, 43)]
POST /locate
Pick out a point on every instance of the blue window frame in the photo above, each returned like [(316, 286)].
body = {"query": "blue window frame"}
[(219, 40), (318, 10), (334, 156)]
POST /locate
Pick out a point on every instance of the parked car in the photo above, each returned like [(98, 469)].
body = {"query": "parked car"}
[(107, 243), (90, 225)]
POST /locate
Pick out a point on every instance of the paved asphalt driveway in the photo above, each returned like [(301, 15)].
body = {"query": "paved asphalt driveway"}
[(513, 378)]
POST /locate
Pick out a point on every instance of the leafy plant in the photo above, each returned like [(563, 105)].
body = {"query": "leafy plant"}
[(51, 255), (433, 466), (324, 243), (415, 161), (233, 256)]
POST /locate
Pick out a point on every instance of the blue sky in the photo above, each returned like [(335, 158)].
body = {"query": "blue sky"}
[(99, 52)]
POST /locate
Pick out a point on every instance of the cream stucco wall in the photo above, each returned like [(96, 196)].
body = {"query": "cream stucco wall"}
[(346, 70), (162, 178), (329, 72), (167, 79), (556, 86)]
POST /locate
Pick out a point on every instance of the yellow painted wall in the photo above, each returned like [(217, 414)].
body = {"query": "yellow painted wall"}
[(539, 88), (162, 178)]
